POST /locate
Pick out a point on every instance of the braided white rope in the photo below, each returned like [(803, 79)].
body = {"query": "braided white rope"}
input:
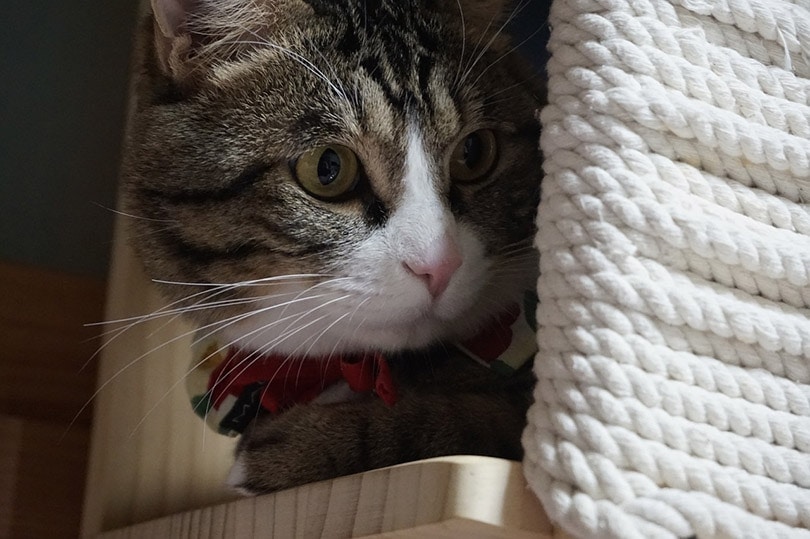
[(673, 394)]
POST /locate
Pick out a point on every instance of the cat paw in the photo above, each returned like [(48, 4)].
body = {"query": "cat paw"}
[(303, 445)]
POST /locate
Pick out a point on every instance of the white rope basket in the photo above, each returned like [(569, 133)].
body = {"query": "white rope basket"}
[(673, 394)]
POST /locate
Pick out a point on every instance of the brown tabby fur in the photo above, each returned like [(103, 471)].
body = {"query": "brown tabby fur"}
[(221, 108)]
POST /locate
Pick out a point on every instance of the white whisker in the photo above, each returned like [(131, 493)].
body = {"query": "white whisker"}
[(463, 42), (132, 216), (252, 282), (520, 7), (219, 325), (302, 60), (507, 53)]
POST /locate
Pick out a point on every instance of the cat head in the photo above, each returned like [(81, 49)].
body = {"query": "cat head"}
[(338, 174)]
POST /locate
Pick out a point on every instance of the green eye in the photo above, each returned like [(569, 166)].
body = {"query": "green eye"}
[(474, 156), (327, 171)]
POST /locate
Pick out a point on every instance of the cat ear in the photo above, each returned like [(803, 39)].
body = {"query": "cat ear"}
[(194, 34), (170, 15), (172, 38)]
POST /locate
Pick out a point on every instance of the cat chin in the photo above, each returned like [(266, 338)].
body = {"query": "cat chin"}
[(394, 338), (380, 335), (388, 337)]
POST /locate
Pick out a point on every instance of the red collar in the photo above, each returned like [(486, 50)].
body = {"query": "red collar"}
[(287, 381), (241, 384)]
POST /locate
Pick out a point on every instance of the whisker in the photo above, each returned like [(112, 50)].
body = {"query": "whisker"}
[(252, 282), (286, 334), (134, 321), (282, 318), (311, 67), (132, 216), (520, 7), (511, 50), (515, 247), (227, 322), (343, 334), (334, 74), (318, 336), (215, 289), (511, 86), (473, 58), (221, 324), (463, 42)]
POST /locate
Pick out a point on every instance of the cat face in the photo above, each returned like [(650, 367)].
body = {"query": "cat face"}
[(345, 175)]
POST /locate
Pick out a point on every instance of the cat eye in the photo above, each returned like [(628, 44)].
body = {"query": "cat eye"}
[(327, 171), (474, 156)]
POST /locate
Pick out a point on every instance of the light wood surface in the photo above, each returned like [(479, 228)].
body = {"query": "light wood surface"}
[(459, 497)]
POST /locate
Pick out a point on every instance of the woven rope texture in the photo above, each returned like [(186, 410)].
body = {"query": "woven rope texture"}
[(673, 394)]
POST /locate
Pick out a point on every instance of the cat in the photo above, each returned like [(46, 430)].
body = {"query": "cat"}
[(348, 177)]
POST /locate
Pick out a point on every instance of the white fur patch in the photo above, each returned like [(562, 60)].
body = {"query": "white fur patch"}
[(337, 392), (379, 303), (421, 218), (236, 478), (399, 311)]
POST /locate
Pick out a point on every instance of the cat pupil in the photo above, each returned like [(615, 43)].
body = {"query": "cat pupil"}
[(472, 150), (328, 166)]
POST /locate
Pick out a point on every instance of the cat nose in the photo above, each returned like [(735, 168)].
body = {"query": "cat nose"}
[(438, 267)]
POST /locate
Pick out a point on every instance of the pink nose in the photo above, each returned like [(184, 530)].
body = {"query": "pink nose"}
[(438, 268)]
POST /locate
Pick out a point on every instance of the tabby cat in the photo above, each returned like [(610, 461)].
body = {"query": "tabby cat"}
[(348, 176)]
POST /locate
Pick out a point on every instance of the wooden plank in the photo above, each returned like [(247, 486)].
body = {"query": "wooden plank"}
[(46, 467), (44, 342), (10, 446), (471, 497), (43, 345)]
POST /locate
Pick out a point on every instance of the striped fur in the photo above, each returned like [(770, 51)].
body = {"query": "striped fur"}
[(229, 93)]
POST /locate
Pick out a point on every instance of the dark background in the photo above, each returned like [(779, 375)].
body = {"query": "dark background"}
[(63, 82), (64, 75)]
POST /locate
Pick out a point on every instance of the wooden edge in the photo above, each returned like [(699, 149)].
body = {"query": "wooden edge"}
[(459, 496)]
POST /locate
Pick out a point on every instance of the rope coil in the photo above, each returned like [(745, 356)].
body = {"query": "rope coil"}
[(673, 394)]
